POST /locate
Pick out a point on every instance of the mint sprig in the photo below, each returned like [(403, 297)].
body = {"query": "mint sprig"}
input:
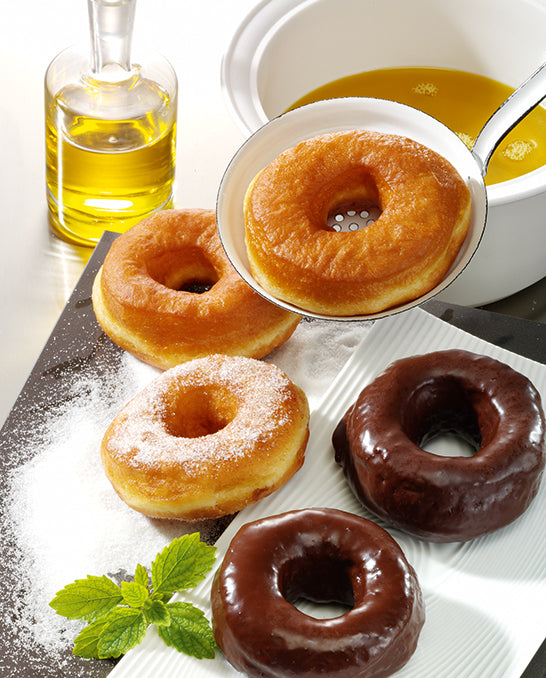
[(118, 616)]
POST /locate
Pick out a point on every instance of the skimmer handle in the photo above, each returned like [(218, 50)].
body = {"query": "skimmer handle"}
[(519, 104)]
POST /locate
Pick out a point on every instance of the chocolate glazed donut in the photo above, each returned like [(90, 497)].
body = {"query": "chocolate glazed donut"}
[(323, 555), (437, 498)]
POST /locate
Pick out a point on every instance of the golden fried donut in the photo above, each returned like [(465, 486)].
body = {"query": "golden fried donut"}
[(296, 257), (206, 438), (496, 409), (322, 555), (146, 295)]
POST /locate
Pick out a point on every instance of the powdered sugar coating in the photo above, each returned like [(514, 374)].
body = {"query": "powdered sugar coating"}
[(141, 434), (206, 438)]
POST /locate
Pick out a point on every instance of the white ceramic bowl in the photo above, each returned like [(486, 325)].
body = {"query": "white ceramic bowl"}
[(286, 48)]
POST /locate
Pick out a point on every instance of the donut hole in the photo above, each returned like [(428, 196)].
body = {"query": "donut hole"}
[(354, 202), (353, 216), (199, 413), (184, 271), (318, 585), (449, 445), (441, 418)]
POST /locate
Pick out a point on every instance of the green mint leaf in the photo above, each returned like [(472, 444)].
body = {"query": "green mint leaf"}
[(87, 599), (182, 564), (189, 631), (134, 594), (119, 616), (163, 597), (124, 628), (87, 642), (157, 613), (141, 575)]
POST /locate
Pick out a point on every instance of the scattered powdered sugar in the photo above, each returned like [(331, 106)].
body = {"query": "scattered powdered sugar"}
[(63, 513), (316, 352), (63, 517)]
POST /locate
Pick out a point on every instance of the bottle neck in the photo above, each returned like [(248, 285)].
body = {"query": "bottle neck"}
[(111, 25)]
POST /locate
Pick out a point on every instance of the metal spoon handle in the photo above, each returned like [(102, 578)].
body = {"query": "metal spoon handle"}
[(111, 24), (519, 104)]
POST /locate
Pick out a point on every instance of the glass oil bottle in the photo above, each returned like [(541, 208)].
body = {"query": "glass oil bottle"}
[(110, 131)]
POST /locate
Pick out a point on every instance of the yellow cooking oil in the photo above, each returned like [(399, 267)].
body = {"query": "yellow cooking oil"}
[(463, 101), (110, 156)]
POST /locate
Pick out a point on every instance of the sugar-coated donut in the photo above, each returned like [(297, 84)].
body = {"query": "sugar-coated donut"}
[(168, 293), (206, 438), (323, 555), (434, 497), (293, 254)]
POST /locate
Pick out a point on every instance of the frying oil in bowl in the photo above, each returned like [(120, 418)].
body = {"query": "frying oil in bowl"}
[(108, 173), (462, 101)]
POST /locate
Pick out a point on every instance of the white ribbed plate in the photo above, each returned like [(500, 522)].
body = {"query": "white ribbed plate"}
[(485, 599)]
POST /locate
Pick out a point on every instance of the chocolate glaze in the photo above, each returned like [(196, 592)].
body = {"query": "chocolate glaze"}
[(323, 555), (496, 409)]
